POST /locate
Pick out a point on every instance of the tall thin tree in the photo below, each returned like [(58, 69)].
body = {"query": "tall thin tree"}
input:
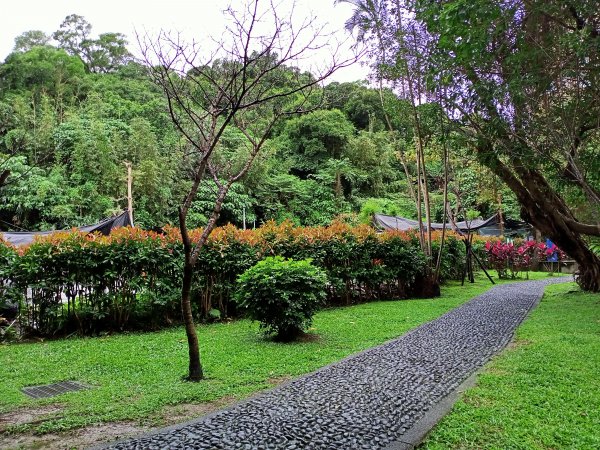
[(247, 81)]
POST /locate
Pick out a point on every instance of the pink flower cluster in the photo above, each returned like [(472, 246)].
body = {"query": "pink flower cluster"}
[(505, 256)]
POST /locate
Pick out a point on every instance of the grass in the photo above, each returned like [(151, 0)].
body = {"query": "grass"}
[(136, 375), (541, 393)]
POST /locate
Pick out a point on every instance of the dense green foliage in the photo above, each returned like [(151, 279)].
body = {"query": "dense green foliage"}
[(282, 294), (75, 108), (135, 376), (131, 279), (543, 392)]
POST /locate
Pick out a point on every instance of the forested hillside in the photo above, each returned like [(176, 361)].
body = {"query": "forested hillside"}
[(74, 109)]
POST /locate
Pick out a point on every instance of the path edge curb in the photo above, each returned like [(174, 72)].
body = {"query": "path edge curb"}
[(416, 434)]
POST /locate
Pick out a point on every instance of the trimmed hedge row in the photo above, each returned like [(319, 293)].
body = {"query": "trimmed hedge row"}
[(72, 282)]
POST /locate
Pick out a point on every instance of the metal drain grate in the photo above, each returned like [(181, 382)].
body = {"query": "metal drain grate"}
[(50, 390)]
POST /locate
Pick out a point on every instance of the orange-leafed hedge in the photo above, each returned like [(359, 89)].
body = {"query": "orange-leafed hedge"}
[(130, 279)]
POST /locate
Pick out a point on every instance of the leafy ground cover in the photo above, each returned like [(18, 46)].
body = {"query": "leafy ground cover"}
[(543, 392), (135, 376)]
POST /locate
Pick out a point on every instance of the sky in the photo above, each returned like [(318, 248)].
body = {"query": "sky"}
[(195, 19)]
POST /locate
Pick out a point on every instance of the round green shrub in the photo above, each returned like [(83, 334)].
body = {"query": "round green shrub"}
[(282, 294)]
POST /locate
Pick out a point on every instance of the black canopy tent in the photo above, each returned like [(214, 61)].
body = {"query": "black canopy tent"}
[(105, 226), (486, 227)]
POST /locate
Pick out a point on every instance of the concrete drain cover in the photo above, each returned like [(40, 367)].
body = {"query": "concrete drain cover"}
[(50, 390)]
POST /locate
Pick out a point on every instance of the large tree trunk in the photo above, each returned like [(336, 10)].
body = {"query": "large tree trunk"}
[(553, 226), (550, 214), (543, 208)]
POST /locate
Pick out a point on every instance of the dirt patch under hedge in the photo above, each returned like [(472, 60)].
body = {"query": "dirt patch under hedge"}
[(95, 434), (23, 416), (80, 438)]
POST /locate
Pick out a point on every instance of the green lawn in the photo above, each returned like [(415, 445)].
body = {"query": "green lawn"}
[(541, 393), (136, 375)]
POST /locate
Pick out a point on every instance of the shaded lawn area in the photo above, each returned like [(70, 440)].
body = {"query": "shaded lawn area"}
[(136, 375), (543, 392)]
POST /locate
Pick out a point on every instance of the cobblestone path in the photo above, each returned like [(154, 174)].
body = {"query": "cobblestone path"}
[(369, 400)]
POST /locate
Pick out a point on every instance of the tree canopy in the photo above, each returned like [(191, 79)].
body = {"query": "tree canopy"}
[(68, 124), (519, 81)]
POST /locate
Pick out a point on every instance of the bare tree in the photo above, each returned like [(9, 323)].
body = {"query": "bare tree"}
[(248, 81)]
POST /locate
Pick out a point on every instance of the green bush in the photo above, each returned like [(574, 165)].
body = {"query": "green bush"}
[(10, 295), (283, 294), (453, 257), (70, 282)]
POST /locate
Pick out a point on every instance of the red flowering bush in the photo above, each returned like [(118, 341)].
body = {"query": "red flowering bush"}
[(508, 257)]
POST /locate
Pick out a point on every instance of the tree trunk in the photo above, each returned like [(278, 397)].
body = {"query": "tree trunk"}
[(548, 212), (427, 203), (552, 226), (401, 157), (338, 184), (129, 192), (500, 214), (195, 368), (543, 208), (3, 176), (438, 264)]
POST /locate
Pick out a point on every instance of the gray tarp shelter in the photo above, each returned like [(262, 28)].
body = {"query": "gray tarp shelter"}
[(104, 227), (487, 227)]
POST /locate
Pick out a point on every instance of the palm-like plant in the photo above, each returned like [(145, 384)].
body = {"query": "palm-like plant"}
[(366, 18)]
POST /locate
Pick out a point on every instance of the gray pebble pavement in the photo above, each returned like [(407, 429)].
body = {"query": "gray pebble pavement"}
[(369, 400)]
